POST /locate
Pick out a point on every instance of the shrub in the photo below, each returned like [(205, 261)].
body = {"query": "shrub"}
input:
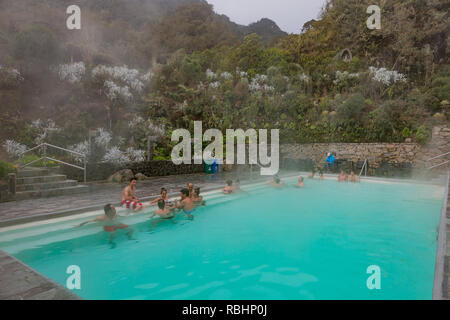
[(422, 135), (5, 168), (31, 157)]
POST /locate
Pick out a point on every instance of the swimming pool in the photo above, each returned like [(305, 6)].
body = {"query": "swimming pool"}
[(311, 243)]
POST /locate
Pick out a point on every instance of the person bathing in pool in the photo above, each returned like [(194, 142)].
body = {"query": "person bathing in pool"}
[(300, 183), (186, 203), (163, 210), (276, 183), (190, 187), (129, 200), (198, 199), (228, 188), (110, 222), (164, 197)]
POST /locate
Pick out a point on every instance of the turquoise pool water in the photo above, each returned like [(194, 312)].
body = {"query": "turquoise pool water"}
[(312, 243)]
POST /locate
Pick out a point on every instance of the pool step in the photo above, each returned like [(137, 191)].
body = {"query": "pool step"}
[(41, 179), (46, 185), (34, 183), (33, 172), (23, 195)]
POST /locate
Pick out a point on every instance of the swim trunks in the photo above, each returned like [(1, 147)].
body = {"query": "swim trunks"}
[(131, 204), (114, 228)]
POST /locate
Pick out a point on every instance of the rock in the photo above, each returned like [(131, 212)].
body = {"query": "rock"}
[(408, 140), (141, 177), (121, 176)]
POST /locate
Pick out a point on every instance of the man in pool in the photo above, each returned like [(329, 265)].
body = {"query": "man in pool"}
[(163, 210), (110, 223), (228, 188), (300, 183), (186, 203), (129, 200)]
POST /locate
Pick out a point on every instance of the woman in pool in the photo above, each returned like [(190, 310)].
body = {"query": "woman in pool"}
[(164, 197), (110, 223), (300, 183), (353, 177), (198, 199)]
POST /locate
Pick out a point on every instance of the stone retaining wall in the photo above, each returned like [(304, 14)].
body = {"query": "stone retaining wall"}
[(378, 154), (102, 171)]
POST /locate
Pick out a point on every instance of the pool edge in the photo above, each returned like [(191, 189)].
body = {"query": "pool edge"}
[(21, 282), (440, 285)]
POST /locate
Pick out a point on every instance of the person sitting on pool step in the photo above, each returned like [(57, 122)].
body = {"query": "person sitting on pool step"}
[(164, 197), (342, 177), (186, 203), (129, 200), (110, 223)]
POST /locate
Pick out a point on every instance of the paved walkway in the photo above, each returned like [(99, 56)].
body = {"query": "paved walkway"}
[(102, 193)]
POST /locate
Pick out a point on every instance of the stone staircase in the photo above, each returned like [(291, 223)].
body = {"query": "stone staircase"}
[(34, 183)]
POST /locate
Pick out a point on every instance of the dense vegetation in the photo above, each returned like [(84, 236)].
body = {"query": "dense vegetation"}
[(187, 63)]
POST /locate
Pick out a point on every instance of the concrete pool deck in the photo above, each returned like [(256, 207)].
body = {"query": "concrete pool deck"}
[(20, 282)]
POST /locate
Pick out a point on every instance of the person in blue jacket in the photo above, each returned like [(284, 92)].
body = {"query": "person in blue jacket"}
[(330, 161)]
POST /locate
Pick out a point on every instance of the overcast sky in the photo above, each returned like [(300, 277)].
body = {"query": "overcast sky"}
[(290, 15)]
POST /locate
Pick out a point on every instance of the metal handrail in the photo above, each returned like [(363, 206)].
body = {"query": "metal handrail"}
[(440, 156), (364, 167), (45, 158)]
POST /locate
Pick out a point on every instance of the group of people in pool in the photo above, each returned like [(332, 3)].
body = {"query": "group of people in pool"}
[(190, 198)]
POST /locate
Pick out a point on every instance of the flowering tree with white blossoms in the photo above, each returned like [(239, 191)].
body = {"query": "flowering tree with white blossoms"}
[(386, 77), (72, 73), (14, 148)]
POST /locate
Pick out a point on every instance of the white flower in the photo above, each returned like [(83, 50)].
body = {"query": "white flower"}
[(116, 156), (14, 148), (103, 138), (43, 128), (210, 74), (343, 76), (304, 78), (72, 73), (130, 77), (138, 120), (113, 91), (226, 75), (135, 155), (214, 85), (83, 148), (155, 129), (385, 76)]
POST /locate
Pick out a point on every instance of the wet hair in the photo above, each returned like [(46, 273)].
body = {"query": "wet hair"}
[(185, 192), (300, 178), (109, 212), (277, 180), (132, 179), (197, 191), (229, 183), (161, 204), (163, 189)]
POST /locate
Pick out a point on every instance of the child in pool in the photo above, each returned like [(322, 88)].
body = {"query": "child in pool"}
[(163, 211)]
